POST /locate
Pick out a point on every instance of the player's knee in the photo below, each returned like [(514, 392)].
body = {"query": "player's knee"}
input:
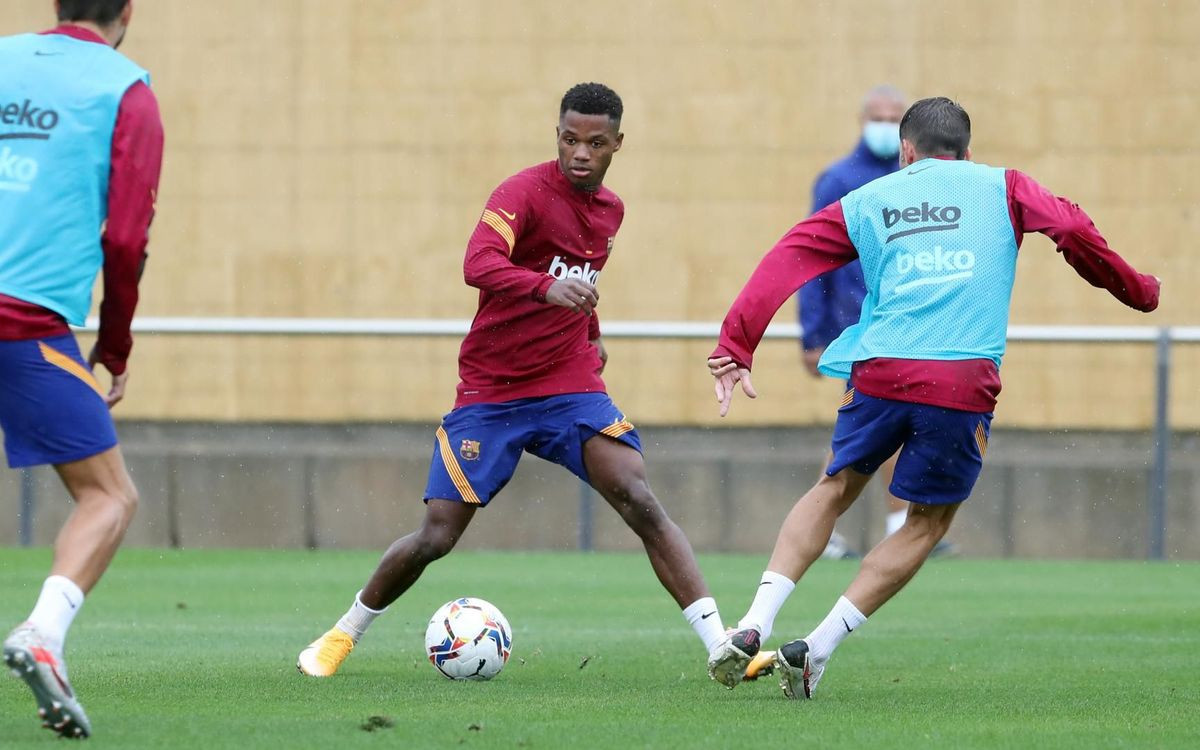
[(641, 508), (931, 529), (435, 542), (130, 500), (123, 501)]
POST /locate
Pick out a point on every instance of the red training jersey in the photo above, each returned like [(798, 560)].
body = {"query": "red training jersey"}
[(536, 228), (136, 159), (821, 243)]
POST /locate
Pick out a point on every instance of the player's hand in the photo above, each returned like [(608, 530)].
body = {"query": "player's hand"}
[(811, 358), (117, 391), (573, 294), (602, 353), (728, 375)]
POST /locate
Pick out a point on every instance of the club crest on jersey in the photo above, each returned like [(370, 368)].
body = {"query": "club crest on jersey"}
[(469, 450)]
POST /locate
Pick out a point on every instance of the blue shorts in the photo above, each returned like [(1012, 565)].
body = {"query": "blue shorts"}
[(52, 410), (478, 446), (941, 450)]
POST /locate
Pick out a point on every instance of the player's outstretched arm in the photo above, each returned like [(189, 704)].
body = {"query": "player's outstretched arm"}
[(818, 244), (1036, 209)]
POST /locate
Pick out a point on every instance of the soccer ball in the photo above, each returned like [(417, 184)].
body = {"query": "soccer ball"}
[(468, 639)]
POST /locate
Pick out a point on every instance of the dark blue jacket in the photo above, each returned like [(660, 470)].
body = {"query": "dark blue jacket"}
[(833, 301)]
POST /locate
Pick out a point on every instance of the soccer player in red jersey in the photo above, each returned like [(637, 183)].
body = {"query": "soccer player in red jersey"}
[(530, 377), (80, 150), (938, 242)]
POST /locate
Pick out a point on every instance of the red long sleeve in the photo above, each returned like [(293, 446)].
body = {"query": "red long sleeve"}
[(536, 228), (137, 149), (488, 265), (818, 244), (1033, 208), (821, 243)]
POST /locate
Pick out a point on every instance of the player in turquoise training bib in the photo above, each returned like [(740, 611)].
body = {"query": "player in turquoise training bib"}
[(80, 151), (938, 243)]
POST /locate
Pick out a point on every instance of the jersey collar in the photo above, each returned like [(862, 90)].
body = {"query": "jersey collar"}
[(76, 32)]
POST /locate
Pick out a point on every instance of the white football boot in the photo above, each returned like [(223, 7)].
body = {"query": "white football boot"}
[(798, 674), (727, 665), (27, 657)]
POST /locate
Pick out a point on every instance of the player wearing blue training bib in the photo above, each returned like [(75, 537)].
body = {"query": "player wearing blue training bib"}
[(80, 151), (938, 243)]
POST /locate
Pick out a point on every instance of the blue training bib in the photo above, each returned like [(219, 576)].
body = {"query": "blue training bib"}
[(59, 99), (939, 260)]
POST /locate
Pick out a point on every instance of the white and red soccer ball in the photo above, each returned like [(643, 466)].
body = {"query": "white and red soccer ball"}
[(468, 639)]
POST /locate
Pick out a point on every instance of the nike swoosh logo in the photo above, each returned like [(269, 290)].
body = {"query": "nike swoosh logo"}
[(507, 215), (922, 169), (847, 626), (764, 583), (47, 54), (73, 604), (710, 614)]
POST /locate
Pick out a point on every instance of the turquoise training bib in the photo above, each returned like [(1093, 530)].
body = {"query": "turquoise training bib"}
[(939, 260), (59, 99)]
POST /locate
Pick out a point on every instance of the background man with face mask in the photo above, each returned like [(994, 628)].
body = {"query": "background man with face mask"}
[(833, 301)]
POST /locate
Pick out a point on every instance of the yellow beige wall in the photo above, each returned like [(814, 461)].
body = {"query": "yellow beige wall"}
[(330, 158)]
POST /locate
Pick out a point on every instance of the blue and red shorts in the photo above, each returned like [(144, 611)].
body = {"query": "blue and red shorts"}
[(478, 445), (941, 450), (52, 409)]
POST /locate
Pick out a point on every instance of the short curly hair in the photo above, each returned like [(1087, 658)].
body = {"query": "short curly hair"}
[(592, 99)]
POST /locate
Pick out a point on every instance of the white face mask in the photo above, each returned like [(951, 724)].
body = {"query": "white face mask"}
[(882, 138)]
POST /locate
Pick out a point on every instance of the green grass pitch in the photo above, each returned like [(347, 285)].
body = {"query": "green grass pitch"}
[(197, 649)]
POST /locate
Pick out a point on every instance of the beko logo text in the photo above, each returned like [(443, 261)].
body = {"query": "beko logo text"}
[(25, 115), (16, 172), (937, 261), (920, 214), (560, 270), (931, 219), (936, 266)]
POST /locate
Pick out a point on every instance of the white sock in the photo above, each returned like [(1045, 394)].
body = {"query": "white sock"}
[(56, 608), (773, 591), (358, 618), (704, 618), (841, 621), (895, 519)]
